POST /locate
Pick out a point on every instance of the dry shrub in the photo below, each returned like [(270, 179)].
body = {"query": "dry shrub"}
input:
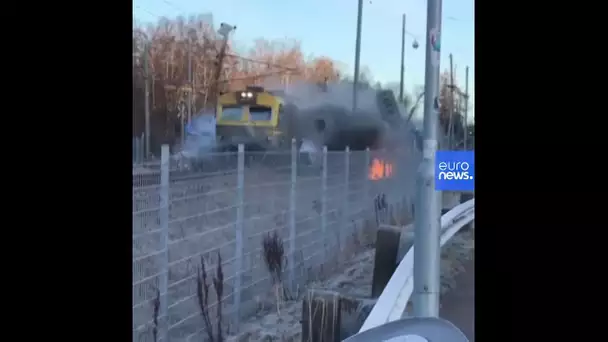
[(274, 258), (202, 286), (380, 208), (156, 308)]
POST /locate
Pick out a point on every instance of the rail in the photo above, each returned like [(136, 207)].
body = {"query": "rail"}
[(392, 302)]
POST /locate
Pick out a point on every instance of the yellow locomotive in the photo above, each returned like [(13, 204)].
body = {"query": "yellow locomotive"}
[(254, 117), (269, 120)]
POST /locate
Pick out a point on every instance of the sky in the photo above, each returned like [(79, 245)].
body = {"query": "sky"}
[(328, 28)]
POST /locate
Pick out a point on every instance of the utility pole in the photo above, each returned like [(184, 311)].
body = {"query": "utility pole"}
[(147, 99), (224, 31), (182, 116), (357, 53), (451, 105), (466, 106), (191, 34), (427, 223), (189, 79), (402, 59)]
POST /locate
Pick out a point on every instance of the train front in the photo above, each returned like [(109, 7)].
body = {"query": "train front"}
[(248, 117)]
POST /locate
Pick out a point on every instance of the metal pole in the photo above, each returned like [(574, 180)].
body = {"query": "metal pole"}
[(324, 234), (357, 53), (345, 207), (164, 235), (218, 73), (466, 106), (451, 105), (190, 79), (292, 215), (402, 59), (147, 100), (427, 224), (182, 116), (240, 211)]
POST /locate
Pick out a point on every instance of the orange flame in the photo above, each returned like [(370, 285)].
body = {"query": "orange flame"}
[(380, 169)]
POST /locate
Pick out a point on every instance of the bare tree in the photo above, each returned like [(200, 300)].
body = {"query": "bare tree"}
[(170, 40), (451, 102)]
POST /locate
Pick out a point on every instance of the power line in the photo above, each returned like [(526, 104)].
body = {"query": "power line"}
[(167, 2), (145, 10), (270, 64), (262, 62), (452, 18), (173, 5)]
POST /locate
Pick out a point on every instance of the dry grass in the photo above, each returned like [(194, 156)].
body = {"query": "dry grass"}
[(314, 310)]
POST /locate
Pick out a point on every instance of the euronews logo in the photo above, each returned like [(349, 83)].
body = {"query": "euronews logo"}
[(455, 171)]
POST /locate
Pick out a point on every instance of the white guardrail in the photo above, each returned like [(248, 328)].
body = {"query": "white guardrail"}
[(393, 300)]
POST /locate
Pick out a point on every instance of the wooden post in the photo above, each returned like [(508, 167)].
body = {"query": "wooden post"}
[(385, 262)]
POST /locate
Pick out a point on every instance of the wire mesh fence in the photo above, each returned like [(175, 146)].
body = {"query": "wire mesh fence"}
[(324, 207)]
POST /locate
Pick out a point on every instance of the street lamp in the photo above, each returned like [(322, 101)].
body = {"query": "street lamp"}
[(414, 46), (225, 30), (357, 53), (191, 37)]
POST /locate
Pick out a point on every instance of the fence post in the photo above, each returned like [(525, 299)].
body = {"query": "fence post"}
[(142, 149), (345, 207), (324, 203), (386, 190), (292, 214), (138, 154), (367, 181), (164, 240), (240, 198)]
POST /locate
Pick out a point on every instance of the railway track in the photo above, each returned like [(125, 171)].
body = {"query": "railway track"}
[(227, 166), (211, 168)]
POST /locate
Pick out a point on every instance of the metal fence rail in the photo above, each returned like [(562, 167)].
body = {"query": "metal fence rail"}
[(323, 211)]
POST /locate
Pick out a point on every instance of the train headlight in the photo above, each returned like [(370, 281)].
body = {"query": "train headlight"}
[(249, 95), (243, 94)]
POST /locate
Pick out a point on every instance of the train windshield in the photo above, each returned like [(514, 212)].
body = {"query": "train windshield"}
[(260, 113), (232, 112)]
